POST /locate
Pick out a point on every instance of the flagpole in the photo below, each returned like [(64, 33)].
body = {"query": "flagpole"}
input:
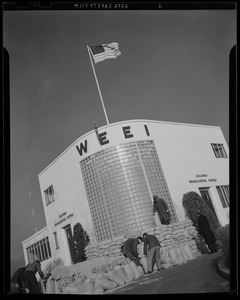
[(100, 94)]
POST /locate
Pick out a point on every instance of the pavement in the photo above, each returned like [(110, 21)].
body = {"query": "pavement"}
[(199, 275)]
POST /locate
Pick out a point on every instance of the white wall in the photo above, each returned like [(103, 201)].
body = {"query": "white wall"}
[(184, 151)]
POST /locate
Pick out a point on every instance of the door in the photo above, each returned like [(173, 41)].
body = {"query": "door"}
[(206, 197), (68, 231)]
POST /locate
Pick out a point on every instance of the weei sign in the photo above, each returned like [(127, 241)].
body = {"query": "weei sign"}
[(103, 140)]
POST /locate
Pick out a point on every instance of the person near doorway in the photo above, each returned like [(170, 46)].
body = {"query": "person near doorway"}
[(152, 251), (205, 230), (30, 277), (160, 206)]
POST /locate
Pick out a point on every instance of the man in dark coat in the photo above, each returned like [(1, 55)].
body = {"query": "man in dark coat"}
[(17, 282), (129, 250), (206, 231), (152, 251), (30, 278), (161, 207)]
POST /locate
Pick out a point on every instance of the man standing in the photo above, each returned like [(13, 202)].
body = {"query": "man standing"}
[(161, 207), (205, 230), (129, 250), (152, 249)]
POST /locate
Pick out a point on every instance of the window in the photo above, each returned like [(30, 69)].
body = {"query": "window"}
[(49, 195), (219, 150), (223, 192), (39, 251), (56, 240)]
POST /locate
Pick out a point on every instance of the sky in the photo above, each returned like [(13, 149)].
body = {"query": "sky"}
[(174, 67)]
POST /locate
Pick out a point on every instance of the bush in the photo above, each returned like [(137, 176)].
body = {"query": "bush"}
[(80, 241), (192, 201), (222, 235)]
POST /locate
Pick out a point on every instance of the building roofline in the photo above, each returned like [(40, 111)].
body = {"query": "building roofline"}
[(120, 122), (35, 234)]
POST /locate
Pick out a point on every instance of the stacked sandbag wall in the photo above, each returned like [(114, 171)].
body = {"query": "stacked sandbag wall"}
[(108, 248), (170, 236)]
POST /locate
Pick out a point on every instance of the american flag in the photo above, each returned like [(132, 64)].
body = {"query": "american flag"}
[(105, 51)]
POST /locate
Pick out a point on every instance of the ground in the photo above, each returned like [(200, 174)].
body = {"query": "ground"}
[(199, 275)]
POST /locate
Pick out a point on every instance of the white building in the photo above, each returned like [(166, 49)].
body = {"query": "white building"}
[(105, 181)]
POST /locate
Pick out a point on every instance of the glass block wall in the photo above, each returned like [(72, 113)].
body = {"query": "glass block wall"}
[(155, 175), (120, 182)]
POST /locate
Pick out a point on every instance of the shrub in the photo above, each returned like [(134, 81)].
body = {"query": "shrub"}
[(222, 235), (192, 201), (80, 241)]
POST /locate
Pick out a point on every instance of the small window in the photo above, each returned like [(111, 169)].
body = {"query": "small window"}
[(219, 150), (223, 192), (56, 240), (49, 195), (39, 250)]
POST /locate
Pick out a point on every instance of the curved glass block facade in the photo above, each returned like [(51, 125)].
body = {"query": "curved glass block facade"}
[(120, 182)]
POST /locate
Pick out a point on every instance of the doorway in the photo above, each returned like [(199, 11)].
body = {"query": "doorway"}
[(206, 197), (69, 235)]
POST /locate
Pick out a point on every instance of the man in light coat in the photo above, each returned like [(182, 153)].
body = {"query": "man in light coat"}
[(152, 251)]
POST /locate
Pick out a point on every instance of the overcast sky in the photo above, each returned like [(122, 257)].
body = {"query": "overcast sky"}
[(174, 67)]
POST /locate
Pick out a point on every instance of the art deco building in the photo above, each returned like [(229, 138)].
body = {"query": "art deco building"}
[(106, 180)]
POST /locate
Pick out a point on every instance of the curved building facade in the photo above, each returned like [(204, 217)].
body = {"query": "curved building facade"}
[(120, 182)]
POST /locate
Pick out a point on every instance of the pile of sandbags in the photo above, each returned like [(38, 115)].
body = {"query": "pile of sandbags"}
[(177, 242), (108, 248), (180, 234), (84, 267), (102, 279)]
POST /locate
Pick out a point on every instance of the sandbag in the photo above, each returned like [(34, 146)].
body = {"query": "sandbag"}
[(129, 272), (52, 286), (184, 254), (168, 236), (164, 257), (161, 239), (121, 273), (172, 254), (57, 287), (166, 266), (179, 255), (112, 275), (140, 249), (106, 284), (88, 286), (141, 270), (43, 287), (135, 269), (157, 220), (101, 275), (97, 288), (188, 251), (143, 262), (71, 289), (48, 285)]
